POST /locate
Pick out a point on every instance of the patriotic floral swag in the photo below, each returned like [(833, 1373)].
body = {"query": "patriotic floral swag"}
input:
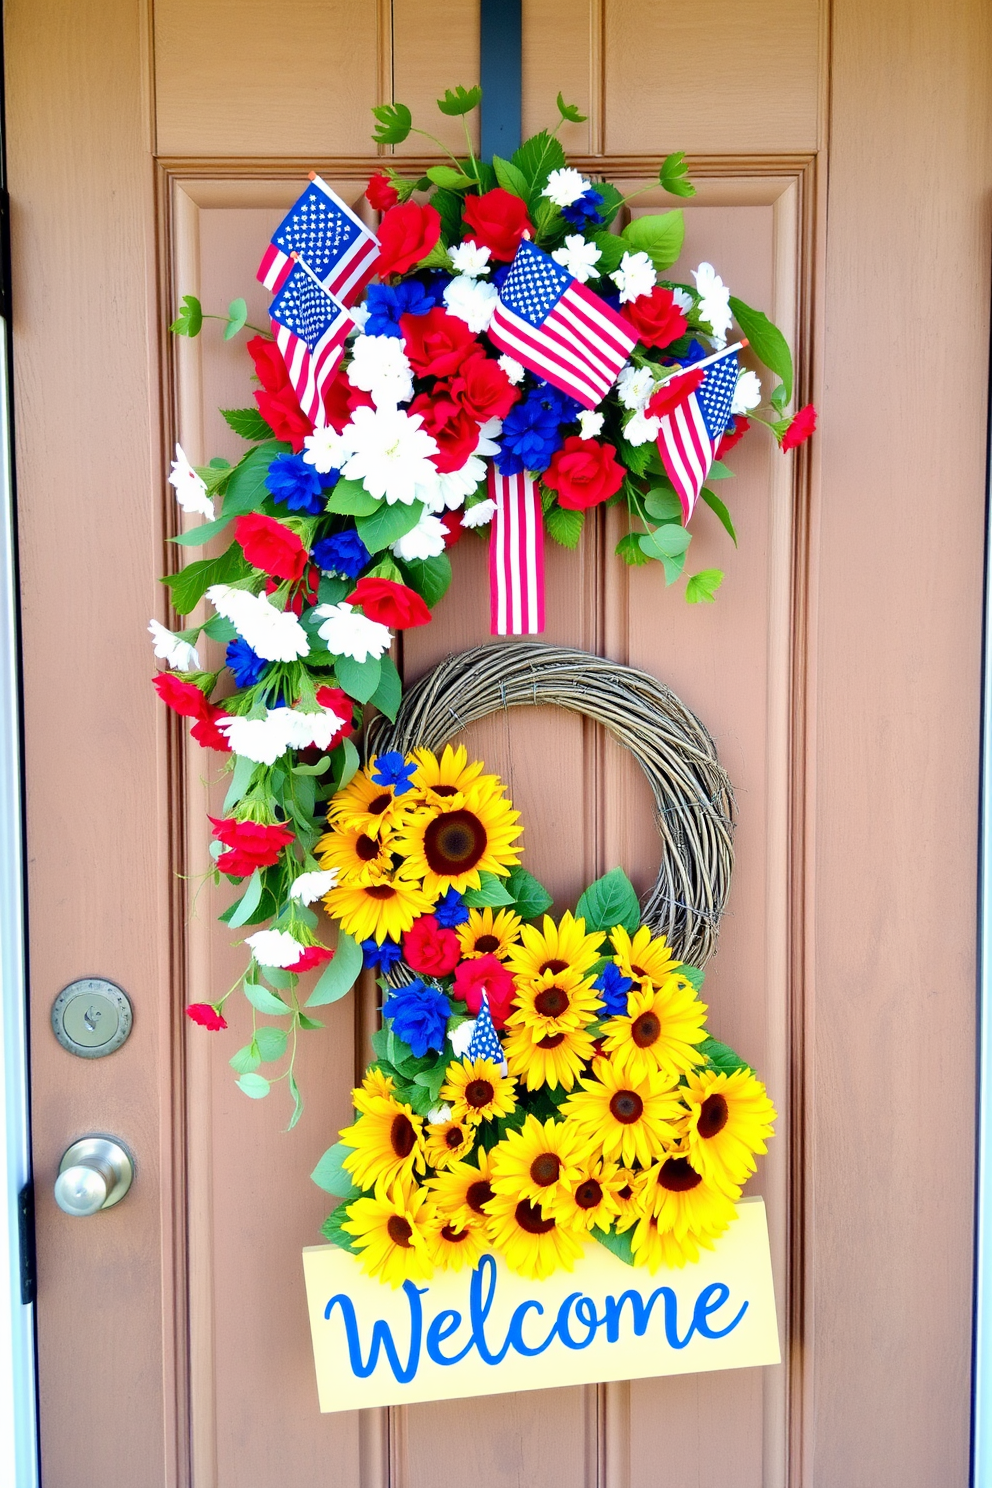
[(519, 362), (535, 1085)]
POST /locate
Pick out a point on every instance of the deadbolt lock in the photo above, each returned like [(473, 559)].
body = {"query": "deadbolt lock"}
[(91, 1017)]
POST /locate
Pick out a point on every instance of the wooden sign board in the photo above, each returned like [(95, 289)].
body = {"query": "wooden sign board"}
[(487, 1331)]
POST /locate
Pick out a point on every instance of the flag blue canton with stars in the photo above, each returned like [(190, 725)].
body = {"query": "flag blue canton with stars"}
[(485, 1043), (318, 230), (534, 284), (716, 393), (304, 308)]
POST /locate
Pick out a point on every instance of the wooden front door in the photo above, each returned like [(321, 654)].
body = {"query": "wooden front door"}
[(843, 160)]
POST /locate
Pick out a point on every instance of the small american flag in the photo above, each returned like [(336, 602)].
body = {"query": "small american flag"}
[(309, 326), (485, 1043), (516, 556), (558, 328), (335, 245), (689, 435)]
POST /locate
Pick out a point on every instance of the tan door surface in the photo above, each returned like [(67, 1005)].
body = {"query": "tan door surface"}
[(843, 160)]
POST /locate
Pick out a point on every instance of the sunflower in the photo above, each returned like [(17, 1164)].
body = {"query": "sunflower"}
[(729, 1118), (452, 1247), (366, 806), (590, 1200), (556, 1059), (625, 1119), (486, 934), (643, 959), (539, 1162), (387, 1140), (661, 1025), (561, 947), (553, 1002), (683, 1201), (532, 1244), (377, 911), (476, 1091), (376, 1083), (460, 1193), (447, 845), (654, 1247), (435, 780), (390, 1232), (358, 858), (628, 1198), (448, 1142)]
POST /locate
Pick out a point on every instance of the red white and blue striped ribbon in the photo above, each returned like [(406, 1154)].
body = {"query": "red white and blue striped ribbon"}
[(516, 556)]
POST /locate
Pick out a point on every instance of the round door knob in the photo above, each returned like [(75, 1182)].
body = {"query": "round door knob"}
[(95, 1173)]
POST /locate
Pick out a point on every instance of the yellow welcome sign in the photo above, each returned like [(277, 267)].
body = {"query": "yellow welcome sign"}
[(487, 1331)]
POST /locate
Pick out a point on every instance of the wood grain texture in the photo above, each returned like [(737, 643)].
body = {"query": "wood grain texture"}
[(435, 47)]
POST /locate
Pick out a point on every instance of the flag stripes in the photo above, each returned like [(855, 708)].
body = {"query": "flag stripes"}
[(516, 556)]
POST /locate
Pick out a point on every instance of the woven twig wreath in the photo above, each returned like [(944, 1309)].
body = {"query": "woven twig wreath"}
[(695, 804)]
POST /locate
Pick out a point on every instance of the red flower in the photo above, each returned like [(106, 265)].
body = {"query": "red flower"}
[(406, 235), (430, 948), (436, 343), (341, 400), (498, 220), (270, 546), (206, 1016), (205, 730), (340, 703), (485, 974), (270, 369), (741, 426), (671, 394), (312, 957), (381, 194), (656, 317), (801, 427), (184, 698), (284, 416), (451, 521), (390, 603), (483, 388), (456, 431), (253, 844), (584, 473)]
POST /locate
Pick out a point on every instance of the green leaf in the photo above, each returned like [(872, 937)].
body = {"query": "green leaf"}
[(610, 901), (630, 550), (536, 158), (277, 977), (766, 341), (674, 176), (715, 504), (666, 541), (309, 1023), (388, 524), (530, 898), (569, 111), (246, 488), (360, 679), (192, 582), (619, 1244), (255, 1086), (459, 101), (245, 1061), (448, 205), (449, 177), (565, 527), (189, 321), (636, 457), (340, 973), (438, 258), (509, 177), (394, 123), (612, 201), (294, 1091), (702, 587), (611, 250), (237, 314), (197, 536), (694, 975), (350, 763), (248, 902), (719, 471), (244, 769), (267, 1002), (349, 498), (247, 422), (779, 398), (389, 691), (430, 577), (662, 503), (492, 891), (659, 235), (673, 566), (332, 1231), (722, 1056), (219, 628), (386, 569), (271, 1043)]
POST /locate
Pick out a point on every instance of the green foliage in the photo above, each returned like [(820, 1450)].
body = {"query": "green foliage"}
[(611, 247), (360, 679), (331, 1175), (265, 1001), (340, 974), (237, 314), (510, 177), (255, 1086), (630, 550), (448, 204), (270, 1043), (716, 505), (439, 257), (394, 123), (619, 1244), (702, 587), (536, 159), (694, 975), (332, 1231), (612, 201), (662, 503), (636, 457), (189, 321), (570, 112), (660, 236), (389, 691), (721, 1056), (610, 901), (669, 541), (245, 1060), (674, 176), (530, 898), (766, 341), (388, 524), (459, 100), (219, 628), (349, 498), (294, 1091), (248, 903), (189, 586), (492, 891), (197, 536), (780, 398), (450, 177), (565, 527), (719, 471), (429, 577), (248, 423), (246, 488)]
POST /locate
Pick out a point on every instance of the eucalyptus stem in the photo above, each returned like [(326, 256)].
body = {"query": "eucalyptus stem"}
[(246, 327)]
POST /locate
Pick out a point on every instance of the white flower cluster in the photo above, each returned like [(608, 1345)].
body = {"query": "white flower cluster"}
[(266, 739), (349, 633), (310, 886), (635, 386), (275, 948), (714, 302), (635, 276), (274, 635), (173, 650), (191, 489), (578, 257)]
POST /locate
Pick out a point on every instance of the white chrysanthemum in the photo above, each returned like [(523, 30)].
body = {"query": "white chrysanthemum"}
[(323, 450), (348, 633), (472, 300), (379, 366), (590, 424), (426, 540), (172, 649), (747, 393), (578, 257), (359, 316), (683, 299), (461, 1037), (310, 886), (565, 186), (274, 635), (469, 259), (437, 1114), (191, 489), (303, 730), (714, 302), (389, 452), (634, 277), (260, 739), (275, 948), (640, 429), (515, 373), (479, 514), (635, 386)]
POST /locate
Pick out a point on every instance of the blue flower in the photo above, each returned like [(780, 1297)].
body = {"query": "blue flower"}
[(246, 666), (344, 553), (584, 211), (553, 400), (693, 353), (293, 481), (386, 303), (380, 957), (392, 769), (450, 911), (420, 1016), (499, 275), (613, 986), (530, 437)]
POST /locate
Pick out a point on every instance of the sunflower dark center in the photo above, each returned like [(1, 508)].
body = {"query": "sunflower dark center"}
[(588, 1194), (551, 1041), (626, 1106), (638, 971), (713, 1116), (379, 804), (677, 1176), (455, 1236), (554, 966), (444, 790), (453, 1138), (477, 1194), (479, 1093), (366, 848), (380, 891), (402, 1135), (625, 1193), (545, 1169), (646, 1030), (530, 1218), (454, 842), (399, 1230), (487, 944), (552, 1002)]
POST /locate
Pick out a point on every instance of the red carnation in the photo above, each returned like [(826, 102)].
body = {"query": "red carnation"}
[(483, 388), (430, 948), (656, 317), (284, 416), (206, 1015), (451, 521), (741, 426), (584, 473), (340, 703), (253, 844), (311, 958), (456, 431), (270, 546), (341, 400), (498, 220), (184, 698), (406, 235), (381, 194), (206, 732), (800, 428), (436, 343), (671, 394), (485, 974), (390, 603)]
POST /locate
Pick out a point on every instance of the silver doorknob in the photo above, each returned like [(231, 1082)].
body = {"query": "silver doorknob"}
[(95, 1173)]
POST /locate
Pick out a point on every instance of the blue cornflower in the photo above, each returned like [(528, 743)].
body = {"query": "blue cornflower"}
[(420, 1016), (380, 957), (344, 553), (293, 481), (584, 211), (246, 666), (693, 353), (392, 769), (530, 437), (450, 911), (613, 986), (386, 303), (553, 400)]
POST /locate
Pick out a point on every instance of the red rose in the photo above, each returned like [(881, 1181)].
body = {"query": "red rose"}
[(583, 472), (340, 703), (270, 369), (498, 220), (253, 845), (206, 1016), (483, 388), (406, 235), (270, 546), (801, 427), (485, 974), (456, 431), (205, 730), (656, 317), (436, 343), (312, 957), (184, 698), (451, 521), (390, 603), (671, 394), (741, 426), (341, 400), (284, 416), (429, 948), (381, 194)]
